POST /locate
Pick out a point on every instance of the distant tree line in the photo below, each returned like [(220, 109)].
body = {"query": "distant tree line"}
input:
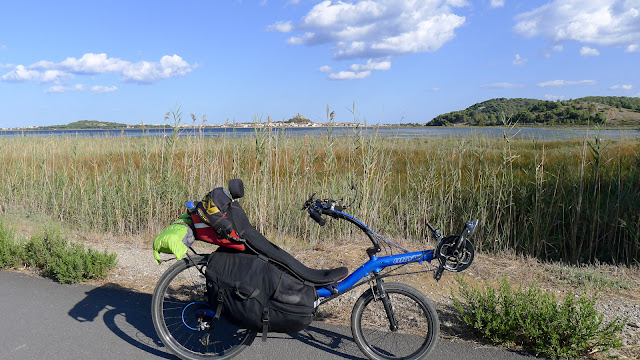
[(620, 102), (586, 110), (88, 124)]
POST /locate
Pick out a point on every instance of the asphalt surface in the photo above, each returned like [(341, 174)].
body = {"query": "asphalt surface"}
[(41, 319)]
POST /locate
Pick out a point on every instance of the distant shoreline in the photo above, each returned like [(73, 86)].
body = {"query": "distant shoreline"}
[(426, 132), (321, 126)]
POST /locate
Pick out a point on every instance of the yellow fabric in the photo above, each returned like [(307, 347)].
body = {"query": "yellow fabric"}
[(209, 206)]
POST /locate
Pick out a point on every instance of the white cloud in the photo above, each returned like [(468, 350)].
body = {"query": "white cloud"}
[(519, 60), (372, 65), (342, 14), (553, 97), (377, 28), (80, 87), (600, 22), (325, 69), (103, 89), (149, 72), (587, 51), (20, 74), (632, 48), (298, 40), (497, 3), (556, 48), (349, 75), (566, 83), (281, 26), (503, 85), (93, 64), (421, 39), (63, 88), (359, 71), (621, 87), (55, 76), (457, 3)]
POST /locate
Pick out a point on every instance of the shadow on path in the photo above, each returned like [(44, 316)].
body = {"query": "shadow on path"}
[(127, 313), (332, 339)]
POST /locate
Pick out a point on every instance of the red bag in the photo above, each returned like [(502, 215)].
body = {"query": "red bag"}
[(206, 233)]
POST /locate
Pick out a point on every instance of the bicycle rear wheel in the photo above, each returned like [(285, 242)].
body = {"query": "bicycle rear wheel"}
[(184, 321), (418, 325)]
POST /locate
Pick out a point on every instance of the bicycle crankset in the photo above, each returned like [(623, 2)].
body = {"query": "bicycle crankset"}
[(454, 257)]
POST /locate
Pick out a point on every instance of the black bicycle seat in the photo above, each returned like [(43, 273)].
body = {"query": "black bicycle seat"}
[(258, 243)]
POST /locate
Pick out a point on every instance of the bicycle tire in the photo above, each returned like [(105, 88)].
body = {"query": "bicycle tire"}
[(178, 297), (417, 324)]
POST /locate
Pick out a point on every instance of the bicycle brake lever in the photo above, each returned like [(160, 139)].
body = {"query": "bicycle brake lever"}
[(309, 201)]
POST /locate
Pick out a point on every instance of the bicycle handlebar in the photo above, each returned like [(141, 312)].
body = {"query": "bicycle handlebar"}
[(315, 215), (316, 208)]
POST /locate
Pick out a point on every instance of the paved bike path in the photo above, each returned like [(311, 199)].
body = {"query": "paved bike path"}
[(41, 319)]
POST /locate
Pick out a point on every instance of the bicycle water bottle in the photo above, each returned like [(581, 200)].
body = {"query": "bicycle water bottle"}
[(191, 207)]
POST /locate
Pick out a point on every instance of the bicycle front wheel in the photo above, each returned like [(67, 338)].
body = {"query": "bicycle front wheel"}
[(417, 330), (184, 321)]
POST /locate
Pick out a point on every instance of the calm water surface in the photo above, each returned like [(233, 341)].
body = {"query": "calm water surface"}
[(422, 132)]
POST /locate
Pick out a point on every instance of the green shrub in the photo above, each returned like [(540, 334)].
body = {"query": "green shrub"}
[(66, 262), (41, 248), (10, 252), (50, 252), (73, 264), (536, 320)]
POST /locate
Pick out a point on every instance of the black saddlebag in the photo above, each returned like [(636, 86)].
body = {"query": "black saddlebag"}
[(252, 293)]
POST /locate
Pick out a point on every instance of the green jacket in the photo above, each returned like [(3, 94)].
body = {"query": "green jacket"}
[(174, 239)]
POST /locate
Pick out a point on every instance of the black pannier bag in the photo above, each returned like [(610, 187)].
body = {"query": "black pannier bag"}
[(254, 294)]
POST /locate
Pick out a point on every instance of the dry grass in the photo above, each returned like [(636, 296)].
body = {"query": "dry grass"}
[(570, 200)]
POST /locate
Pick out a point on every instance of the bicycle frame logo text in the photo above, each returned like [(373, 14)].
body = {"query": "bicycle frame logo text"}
[(404, 259)]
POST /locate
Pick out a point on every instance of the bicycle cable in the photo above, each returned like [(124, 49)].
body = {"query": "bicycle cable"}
[(389, 272), (381, 276)]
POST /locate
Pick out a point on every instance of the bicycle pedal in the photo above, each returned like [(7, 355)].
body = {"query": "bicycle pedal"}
[(438, 274)]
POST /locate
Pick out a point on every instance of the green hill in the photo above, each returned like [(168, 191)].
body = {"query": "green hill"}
[(88, 124), (604, 110)]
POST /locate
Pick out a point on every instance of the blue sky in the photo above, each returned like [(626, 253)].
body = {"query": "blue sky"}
[(396, 60)]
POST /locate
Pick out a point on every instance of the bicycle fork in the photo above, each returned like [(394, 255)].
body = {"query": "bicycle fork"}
[(380, 294)]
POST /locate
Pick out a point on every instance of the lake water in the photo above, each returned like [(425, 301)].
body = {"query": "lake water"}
[(387, 132)]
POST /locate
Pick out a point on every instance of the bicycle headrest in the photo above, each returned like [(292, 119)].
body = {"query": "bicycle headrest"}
[(236, 188)]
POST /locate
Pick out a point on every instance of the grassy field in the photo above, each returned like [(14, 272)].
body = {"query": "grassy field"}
[(577, 201)]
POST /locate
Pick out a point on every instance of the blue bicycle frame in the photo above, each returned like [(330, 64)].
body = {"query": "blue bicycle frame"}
[(375, 265)]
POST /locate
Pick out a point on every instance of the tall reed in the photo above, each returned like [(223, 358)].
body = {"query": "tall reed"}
[(571, 200)]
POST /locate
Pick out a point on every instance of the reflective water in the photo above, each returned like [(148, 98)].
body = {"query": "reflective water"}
[(387, 132)]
